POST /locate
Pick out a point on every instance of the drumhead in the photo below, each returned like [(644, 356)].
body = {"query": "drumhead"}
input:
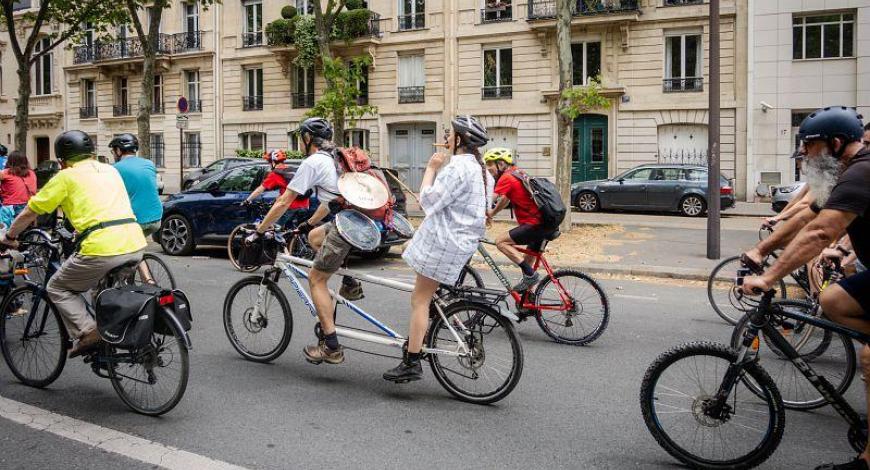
[(363, 190), (358, 229), (402, 226)]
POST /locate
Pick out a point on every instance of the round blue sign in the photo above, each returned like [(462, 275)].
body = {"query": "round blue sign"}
[(183, 105)]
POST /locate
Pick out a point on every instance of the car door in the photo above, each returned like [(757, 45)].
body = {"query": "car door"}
[(630, 191), (224, 211), (664, 188)]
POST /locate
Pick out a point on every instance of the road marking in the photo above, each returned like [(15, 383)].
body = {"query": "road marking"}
[(109, 440), (636, 297)]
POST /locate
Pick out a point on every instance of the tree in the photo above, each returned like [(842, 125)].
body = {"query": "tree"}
[(324, 21), (340, 101), (564, 122), (27, 29)]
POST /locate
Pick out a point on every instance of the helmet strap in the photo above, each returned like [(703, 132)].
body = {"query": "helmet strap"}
[(838, 154)]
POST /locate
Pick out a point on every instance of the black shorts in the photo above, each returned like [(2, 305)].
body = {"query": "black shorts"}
[(533, 236), (858, 287)]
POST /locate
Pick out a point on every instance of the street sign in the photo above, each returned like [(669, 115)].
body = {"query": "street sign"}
[(181, 121), (183, 105)]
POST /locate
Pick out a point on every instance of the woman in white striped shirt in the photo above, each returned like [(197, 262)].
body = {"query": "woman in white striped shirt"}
[(455, 193)]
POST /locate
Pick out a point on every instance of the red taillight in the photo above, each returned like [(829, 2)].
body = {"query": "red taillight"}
[(726, 190), (167, 300)]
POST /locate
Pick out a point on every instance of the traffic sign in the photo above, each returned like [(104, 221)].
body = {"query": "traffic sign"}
[(181, 121), (183, 105)]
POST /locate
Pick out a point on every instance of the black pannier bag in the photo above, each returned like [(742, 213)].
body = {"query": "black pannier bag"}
[(259, 252), (182, 313), (126, 315)]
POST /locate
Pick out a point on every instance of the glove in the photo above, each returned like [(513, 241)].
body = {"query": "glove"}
[(304, 228), (245, 203), (253, 237)]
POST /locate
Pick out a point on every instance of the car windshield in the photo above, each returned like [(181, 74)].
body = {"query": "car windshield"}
[(203, 184)]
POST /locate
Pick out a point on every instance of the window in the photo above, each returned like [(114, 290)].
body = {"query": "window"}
[(191, 17), (42, 69), (303, 86), (253, 100), (151, 13), (412, 14), (642, 174), (363, 86), (191, 149), (240, 179), (696, 175), (670, 3), (495, 11), (157, 101), (89, 99), (191, 77), (157, 150), (666, 174), (1, 74), (823, 36), (122, 97), (88, 28), (253, 27), (412, 79), (587, 61), (305, 7), (683, 63), (357, 138), (253, 141), (293, 141), (497, 73)]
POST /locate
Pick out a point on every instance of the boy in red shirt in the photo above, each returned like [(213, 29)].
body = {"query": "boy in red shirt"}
[(278, 179), (530, 232)]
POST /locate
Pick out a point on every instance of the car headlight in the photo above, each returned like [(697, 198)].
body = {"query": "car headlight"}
[(789, 189)]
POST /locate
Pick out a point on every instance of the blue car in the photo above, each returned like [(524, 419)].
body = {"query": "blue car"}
[(208, 211)]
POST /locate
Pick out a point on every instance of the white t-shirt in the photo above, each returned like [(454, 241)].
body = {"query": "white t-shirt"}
[(317, 171)]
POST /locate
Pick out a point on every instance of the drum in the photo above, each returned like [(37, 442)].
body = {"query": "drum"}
[(358, 230), (363, 190), (402, 226)]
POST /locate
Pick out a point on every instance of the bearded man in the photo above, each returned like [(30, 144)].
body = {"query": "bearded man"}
[(838, 173)]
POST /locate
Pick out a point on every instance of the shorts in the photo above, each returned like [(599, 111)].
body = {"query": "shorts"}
[(150, 228), (334, 251), (858, 287), (533, 236)]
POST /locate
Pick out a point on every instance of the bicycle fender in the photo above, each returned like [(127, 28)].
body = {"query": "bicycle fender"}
[(170, 316)]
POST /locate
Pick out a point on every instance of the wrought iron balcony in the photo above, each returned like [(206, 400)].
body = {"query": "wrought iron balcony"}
[(252, 39), (411, 21), (127, 48), (412, 94), (187, 42), (252, 103), (496, 92), (122, 110), (546, 9), (88, 112), (496, 14), (670, 3), (683, 84), (303, 100)]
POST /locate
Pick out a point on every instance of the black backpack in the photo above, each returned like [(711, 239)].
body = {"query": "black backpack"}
[(546, 197)]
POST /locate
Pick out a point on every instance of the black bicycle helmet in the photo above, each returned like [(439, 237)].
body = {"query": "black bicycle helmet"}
[(72, 144), (316, 127), (3, 150), (834, 121), (125, 142), (470, 131)]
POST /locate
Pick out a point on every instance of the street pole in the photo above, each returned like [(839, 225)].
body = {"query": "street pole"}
[(180, 159), (713, 172)]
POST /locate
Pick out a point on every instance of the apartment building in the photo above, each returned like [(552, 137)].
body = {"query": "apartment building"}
[(803, 56)]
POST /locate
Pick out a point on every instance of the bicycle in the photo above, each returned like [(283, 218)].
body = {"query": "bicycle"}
[(674, 388), (150, 380), (473, 351), (257, 211), (569, 306)]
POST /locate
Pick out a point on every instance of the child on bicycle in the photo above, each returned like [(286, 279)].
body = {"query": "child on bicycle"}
[(454, 195), (509, 188), (278, 178)]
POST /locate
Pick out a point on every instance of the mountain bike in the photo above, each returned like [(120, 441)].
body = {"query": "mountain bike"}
[(569, 306), (714, 407), (474, 351), (257, 212), (150, 380)]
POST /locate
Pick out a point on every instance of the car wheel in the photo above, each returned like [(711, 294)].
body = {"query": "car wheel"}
[(176, 236), (779, 206), (587, 201), (693, 206)]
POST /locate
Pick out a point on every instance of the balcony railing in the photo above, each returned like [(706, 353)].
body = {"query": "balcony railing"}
[(280, 36), (102, 50), (191, 152), (187, 42), (412, 94), (411, 21), (546, 9), (683, 84), (122, 110), (158, 150), (194, 106), (497, 92), (88, 112), (252, 39), (670, 3), (496, 14), (252, 103), (303, 100)]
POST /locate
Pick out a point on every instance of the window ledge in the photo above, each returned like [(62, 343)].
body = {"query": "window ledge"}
[(411, 30), (824, 59)]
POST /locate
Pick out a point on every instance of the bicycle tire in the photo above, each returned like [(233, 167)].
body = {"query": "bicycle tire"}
[(230, 328), (581, 308), (119, 379), (233, 246), (479, 316), (46, 307), (787, 377), (734, 309), (152, 261), (650, 401), (470, 277), (40, 255)]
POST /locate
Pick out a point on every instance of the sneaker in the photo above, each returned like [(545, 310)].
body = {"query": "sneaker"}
[(351, 289), (87, 342), (527, 282), (405, 372), (857, 464), (320, 352)]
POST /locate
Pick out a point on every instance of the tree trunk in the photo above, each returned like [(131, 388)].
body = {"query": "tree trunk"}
[(146, 98), (324, 28), (564, 129), (22, 108)]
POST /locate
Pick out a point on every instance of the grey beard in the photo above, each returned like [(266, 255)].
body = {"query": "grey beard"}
[(822, 175)]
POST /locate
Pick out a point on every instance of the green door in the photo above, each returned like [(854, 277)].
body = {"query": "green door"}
[(589, 159)]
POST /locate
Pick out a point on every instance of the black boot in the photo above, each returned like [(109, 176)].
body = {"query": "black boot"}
[(408, 370)]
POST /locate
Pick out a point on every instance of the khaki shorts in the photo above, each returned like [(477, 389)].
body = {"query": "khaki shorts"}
[(334, 251)]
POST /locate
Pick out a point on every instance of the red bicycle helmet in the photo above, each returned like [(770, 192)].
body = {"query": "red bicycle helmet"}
[(275, 156)]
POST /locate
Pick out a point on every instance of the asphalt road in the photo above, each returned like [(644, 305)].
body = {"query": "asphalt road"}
[(574, 407)]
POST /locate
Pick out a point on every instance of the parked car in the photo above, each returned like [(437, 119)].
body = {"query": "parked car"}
[(196, 175), (671, 188), (206, 213), (781, 195)]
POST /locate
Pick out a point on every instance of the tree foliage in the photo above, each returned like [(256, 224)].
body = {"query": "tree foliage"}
[(579, 100), (341, 100), (306, 41)]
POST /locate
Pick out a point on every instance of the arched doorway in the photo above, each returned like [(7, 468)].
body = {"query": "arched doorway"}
[(589, 151)]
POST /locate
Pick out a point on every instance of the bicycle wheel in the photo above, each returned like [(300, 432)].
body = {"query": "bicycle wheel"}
[(234, 246), (724, 295), (676, 391), (260, 339), (158, 271), (36, 353), (40, 254), (151, 380), (584, 320), (495, 364), (830, 355), (470, 277)]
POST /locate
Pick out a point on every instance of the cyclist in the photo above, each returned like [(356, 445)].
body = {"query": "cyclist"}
[(318, 172), (93, 198), (278, 178), (454, 195), (3, 153), (838, 173), (509, 189), (866, 139), (140, 179)]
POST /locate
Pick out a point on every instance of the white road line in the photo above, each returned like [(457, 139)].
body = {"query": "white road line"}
[(636, 297), (117, 442)]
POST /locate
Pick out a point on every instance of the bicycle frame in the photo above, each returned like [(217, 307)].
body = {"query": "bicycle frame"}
[(289, 266)]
